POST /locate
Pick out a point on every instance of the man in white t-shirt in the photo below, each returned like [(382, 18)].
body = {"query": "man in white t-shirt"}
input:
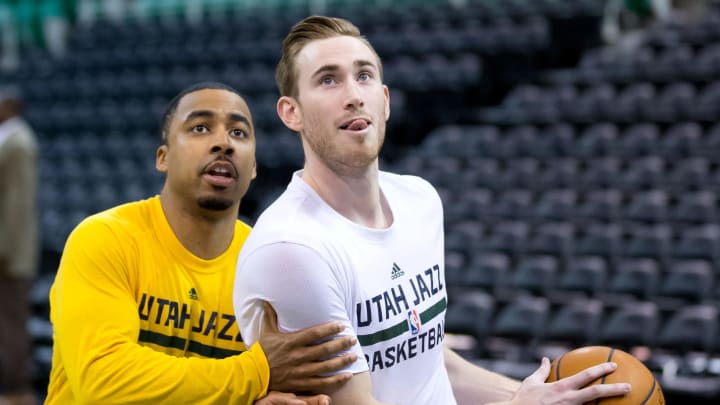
[(347, 242)]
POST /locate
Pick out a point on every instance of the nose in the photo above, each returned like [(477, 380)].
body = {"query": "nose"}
[(354, 97), (221, 143)]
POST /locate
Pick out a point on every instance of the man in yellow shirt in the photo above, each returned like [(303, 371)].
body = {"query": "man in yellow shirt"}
[(142, 302)]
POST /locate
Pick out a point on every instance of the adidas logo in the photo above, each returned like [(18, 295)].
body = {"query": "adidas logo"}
[(193, 294), (396, 271)]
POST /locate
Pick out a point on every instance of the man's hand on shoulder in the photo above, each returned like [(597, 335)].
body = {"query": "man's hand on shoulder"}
[(297, 361)]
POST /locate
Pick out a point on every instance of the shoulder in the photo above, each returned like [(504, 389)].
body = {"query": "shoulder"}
[(407, 181), (294, 217), (21, 138), (407, 185), (121, 222)]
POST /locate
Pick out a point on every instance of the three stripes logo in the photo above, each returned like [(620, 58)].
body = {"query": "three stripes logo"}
[(396, 271)]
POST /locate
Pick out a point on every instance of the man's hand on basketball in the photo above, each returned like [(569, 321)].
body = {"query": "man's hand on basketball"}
[(567, 391), (281, 398), (296, 359)]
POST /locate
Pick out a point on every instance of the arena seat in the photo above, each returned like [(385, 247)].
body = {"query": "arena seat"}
[(631, 324), (535, 274), (635, 279), (600, 205), (520, 325), (575, 323), (555, 205), (698, 242), (596, 140), (689, 280), (470, 313), (585, 275), (643, 172), (559, 173), (601, 172), (647, 206), (556, 238), (690, 328), (506, 236), (487, 270), (599, 239), (512, 203), (639, 140), (696, 207)]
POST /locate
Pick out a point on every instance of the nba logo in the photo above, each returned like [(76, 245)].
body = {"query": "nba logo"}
[(414, 322)]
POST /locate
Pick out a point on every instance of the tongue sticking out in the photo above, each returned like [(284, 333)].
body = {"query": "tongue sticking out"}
[(357, 125)]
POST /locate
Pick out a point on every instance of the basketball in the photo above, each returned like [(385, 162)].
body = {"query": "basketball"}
[(645, 389)]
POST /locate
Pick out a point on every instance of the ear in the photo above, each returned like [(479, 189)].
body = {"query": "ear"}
[(386, 91), (254, 170), (289, 112), (161, 159)]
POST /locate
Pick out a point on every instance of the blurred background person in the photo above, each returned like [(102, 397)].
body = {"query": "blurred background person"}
[(18, 246)]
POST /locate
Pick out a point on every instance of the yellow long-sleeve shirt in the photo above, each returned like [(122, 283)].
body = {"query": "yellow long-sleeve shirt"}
[(138, 319)]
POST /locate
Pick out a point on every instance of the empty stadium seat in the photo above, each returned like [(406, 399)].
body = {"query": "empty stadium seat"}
[(643, 172), (600, 205), (599, 239), (652, 241), (698, 242), (585, 275), (507, 237), (577, 323), (689, 280), (525, 318), (636, 278), (470, 312), (601, 172), (597, 140), (535, 274), (487, 270), (682, 139), (647, 206), (556, 238), (696, 207), (631, 324), (555, 204), (690, 328), (639, 140), (691, 173), (559, 173), (513, 203)]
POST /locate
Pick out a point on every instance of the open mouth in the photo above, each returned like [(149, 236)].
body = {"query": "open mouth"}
[(220, 168), (355, 124), (221, 172)]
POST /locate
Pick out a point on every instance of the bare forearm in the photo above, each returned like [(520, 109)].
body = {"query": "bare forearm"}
[(474, 385)]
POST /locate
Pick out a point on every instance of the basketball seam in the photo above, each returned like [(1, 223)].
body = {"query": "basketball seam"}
[(602, 381), (652, 390), (557, 369)]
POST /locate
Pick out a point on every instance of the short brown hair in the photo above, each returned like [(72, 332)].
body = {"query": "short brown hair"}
[(310, 29)]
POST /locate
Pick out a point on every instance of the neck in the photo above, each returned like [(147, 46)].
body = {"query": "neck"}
[(206, 234), (356, 196)]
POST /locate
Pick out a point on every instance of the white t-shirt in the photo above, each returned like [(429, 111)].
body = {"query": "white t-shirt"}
[(387, 285)]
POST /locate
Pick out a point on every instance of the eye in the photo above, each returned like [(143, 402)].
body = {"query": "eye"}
[(237, 132), (200, 129), (364, 76), (327, 80)]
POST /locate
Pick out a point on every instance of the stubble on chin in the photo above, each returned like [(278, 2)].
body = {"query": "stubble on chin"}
[(214, 203)]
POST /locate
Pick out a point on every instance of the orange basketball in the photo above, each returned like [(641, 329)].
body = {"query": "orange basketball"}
[(645, 389)]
